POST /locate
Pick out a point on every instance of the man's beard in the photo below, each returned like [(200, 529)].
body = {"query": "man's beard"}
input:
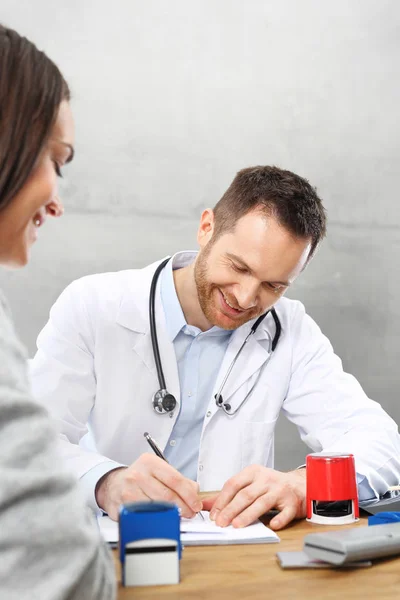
[(206, 292)]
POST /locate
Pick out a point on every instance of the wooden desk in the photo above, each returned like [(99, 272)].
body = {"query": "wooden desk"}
[(252, 571)]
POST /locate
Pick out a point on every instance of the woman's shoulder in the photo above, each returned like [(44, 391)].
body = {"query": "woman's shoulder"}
[(4, 308), (12, 352)]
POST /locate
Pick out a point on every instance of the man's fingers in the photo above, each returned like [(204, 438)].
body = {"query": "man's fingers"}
[(209, 502), (149, 478), (244, 498), (260, 506), (172, 485), (256, 490), (230, 489), (286, 515), (156, 490), (186, 489)]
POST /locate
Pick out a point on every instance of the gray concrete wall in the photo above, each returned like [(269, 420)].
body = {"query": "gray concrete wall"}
[(172, 98)]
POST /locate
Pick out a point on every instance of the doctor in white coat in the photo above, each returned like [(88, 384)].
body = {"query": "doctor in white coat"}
[(95, 368)]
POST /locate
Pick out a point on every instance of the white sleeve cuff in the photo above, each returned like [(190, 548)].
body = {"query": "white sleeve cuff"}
[(89, 480), (365, 491)]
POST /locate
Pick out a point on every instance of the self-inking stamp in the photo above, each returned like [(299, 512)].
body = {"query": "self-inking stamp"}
[(332, 497), (149, 543)]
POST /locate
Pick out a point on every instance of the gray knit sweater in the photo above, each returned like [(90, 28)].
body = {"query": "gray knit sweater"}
[(49, 543)]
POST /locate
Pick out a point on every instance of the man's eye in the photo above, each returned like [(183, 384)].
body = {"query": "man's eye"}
[(239, 269), (274, 288)]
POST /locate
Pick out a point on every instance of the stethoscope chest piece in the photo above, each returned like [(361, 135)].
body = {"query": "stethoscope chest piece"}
[(163, 402)]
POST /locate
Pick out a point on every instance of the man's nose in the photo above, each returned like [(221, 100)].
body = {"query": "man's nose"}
[(246, 295), (55, 208)]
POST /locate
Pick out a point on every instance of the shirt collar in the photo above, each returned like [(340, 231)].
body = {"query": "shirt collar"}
[(174, 317)]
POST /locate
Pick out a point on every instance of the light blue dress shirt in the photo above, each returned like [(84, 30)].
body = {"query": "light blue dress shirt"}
[(199, 355)]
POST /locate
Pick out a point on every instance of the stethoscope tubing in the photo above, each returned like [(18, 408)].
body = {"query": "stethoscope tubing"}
[(157, 357), (153, 328)]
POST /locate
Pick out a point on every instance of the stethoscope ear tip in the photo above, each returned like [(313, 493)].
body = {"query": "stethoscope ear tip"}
[(218, 399)]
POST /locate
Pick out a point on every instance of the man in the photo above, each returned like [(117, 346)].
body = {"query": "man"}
[(96, 367)]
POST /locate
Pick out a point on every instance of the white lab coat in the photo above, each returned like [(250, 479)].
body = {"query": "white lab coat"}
[(95, 364)]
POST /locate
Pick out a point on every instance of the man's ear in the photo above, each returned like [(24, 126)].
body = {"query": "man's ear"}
[(206, 227)]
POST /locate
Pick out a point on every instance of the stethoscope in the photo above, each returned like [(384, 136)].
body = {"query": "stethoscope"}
[(163, 401)]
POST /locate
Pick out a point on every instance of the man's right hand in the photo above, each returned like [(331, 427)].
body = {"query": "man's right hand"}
[(148, 478)]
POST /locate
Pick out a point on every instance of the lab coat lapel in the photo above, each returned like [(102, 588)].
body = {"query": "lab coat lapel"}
[(133, 314), (251, 360)]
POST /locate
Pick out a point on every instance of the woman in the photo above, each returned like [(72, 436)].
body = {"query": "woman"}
[(49, 545)]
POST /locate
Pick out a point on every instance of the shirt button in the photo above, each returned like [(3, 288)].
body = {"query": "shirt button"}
[(190, 394), (172, 443), (208, 413), (200, 467)]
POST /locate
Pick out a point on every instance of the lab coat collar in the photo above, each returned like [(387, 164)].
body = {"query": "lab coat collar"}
[(133, 312), (174, 317)]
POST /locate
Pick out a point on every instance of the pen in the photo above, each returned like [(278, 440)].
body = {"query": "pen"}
[(157, 451), (154, 446)]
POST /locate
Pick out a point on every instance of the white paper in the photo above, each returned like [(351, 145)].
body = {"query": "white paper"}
[(205, 532), (108, 529), (198, 524)]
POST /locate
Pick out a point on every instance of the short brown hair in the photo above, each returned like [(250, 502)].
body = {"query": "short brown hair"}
[(31, 91), (275, 192)]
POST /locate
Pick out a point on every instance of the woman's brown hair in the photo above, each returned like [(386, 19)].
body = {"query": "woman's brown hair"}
[(31, 91)]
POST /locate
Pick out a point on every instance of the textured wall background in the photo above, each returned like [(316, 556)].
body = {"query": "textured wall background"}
[(172, 98)]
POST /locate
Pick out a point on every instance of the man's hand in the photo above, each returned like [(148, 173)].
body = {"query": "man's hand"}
[(256, 490), (148, 478)]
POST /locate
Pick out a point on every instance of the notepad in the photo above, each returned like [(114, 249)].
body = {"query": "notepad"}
[(199, 532)]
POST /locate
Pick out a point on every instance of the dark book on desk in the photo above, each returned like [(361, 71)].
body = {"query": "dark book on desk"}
[(389, 502)]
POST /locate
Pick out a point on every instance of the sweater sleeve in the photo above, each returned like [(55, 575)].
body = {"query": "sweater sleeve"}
[(50, 546)]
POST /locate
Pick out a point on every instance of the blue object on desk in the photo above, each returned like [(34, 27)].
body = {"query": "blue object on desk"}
[(149, 543), (384, 517)]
